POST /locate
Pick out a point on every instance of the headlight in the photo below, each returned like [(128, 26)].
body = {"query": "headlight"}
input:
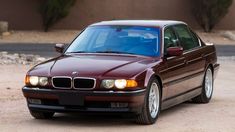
[(33, 80), (108, 84), (43, 81), (120, 83)]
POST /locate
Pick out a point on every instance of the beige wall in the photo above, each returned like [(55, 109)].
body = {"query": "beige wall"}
[(23, 14)]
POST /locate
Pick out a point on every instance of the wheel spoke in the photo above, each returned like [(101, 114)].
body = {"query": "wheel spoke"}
[(153, 100), (208, 83)]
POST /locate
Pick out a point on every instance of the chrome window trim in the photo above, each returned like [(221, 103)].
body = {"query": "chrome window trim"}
[(163, 43), (84, 78), (52, 82), (200, 42), (185, 51)]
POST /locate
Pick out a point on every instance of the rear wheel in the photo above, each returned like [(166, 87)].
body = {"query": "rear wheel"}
[(207, 89), (41, 115), (152, 104)]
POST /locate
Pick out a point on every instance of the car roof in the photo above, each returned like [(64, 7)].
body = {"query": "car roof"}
[(150, 23)]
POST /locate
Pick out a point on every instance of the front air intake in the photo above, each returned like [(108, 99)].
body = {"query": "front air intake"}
[(62, 82), (84, 83)]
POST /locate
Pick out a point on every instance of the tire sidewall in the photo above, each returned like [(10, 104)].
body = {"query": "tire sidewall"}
[(152, 80), (204, 87)]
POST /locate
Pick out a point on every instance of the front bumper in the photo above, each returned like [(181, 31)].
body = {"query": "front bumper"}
[(92, 101)]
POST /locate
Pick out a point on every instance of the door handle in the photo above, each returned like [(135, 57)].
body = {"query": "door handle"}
[(185, 62), (202, 55), (182, 58)]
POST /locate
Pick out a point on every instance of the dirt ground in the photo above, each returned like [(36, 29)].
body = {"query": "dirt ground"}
[(217, 116), (66, 36)]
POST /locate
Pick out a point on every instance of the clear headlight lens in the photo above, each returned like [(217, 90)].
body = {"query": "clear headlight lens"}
[(43, 81), (120, 83), (108, 84), (33, 80)]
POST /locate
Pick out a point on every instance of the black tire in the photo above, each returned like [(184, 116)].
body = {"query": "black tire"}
[(202, 98), (41, 115), (145, 117)]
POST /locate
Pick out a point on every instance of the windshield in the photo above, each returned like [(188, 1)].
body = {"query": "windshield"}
[(135, 40)]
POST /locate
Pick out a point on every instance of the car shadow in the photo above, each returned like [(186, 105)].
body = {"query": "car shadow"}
[(104, 119), (88, 120), (177, 108)]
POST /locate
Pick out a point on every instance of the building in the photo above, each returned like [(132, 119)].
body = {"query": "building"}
[(24, 14)]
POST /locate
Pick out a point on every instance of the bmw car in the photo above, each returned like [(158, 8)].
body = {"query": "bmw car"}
[(134, 67)]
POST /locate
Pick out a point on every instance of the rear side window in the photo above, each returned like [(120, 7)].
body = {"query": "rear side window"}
[(187, 39)]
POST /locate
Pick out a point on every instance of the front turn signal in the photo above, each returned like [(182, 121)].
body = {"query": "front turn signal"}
[(26, 80), (131, 83)]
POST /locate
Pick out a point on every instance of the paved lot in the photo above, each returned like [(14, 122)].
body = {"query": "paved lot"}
[(47, 50), (217, 116), (44, 50)]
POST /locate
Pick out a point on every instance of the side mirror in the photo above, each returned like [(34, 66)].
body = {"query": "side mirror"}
[(59, 48), (174, 51)]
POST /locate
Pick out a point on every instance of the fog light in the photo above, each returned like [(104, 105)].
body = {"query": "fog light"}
[(119, 105), (35, 101)]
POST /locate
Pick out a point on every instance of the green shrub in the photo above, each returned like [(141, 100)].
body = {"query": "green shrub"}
[(209, 12), (54, 10)]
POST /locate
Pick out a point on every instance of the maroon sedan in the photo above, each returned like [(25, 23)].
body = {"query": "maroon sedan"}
[(134, 66)]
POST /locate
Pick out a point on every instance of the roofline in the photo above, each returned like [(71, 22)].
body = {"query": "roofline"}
[(129, 23)]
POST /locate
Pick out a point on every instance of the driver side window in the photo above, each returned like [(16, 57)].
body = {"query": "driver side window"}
[(170, 40)]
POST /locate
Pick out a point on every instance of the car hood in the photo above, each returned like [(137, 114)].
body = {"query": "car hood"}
[(94, 65)]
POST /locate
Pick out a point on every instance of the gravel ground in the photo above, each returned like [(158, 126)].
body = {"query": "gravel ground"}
[(29, 59), (217, 116), (66, 36)]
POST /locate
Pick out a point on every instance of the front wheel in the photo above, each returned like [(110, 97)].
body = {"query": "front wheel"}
[(207, 88), (152, 105)]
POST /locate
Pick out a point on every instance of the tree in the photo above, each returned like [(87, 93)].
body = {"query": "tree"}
[(54, 10), (209, 12)]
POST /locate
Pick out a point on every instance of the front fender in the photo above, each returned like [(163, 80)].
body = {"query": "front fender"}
[(145, 76)]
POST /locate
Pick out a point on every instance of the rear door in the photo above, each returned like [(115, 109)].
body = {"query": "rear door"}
[(195, 62)]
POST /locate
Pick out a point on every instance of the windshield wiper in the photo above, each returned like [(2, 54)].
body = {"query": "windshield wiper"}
[(116, 52), (108, 51)]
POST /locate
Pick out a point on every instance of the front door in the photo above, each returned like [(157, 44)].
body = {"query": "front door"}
[(175, 69)]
